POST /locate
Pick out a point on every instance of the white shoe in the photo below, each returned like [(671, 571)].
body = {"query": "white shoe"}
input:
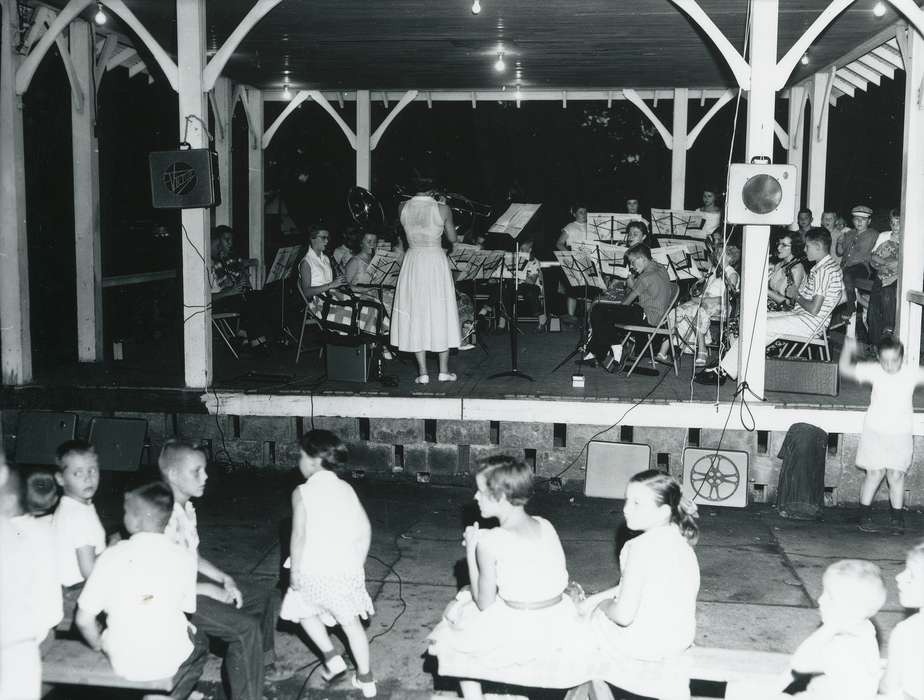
[(466, 346), (501, 322), (447, 377), (589, 356), (368, 689), (387, 354), (422, 379), (333, 669)]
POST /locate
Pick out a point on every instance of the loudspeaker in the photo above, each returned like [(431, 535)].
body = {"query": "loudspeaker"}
[(610, 465), (761, 194), (184, 179), (716, 477), (801, 376), (119, 442), (348, 361)]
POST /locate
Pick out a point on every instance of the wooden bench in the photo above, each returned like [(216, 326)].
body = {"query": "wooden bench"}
[(69, 662)]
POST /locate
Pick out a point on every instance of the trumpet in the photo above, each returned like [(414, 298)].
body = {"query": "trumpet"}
[(459, 203)]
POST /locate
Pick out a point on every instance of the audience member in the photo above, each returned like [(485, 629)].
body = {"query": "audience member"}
[(829, 221), (856, 246), (884, 259), (904, 678)]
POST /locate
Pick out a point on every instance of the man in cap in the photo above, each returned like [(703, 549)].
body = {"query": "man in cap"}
[(857, 245)]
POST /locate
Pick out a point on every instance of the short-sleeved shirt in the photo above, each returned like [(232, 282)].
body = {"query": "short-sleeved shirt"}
[(40, 535), (906, 645), (182, 529), (890, 409), (575, 232), (144, 585), (857, 246), (76, 525), (850, 666), (655, 291), (827, 280)]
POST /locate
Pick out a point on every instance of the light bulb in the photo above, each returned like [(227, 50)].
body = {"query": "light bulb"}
[(286, 93), (476, 7), (100, 16), (879, 9), (804, 60), (499, 64)]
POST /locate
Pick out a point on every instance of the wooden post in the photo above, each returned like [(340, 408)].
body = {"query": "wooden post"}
[(759, 142), (679, 148), (796, 129), (817, 145), (912, 248), (15, 330), (223, 113), (197, 315), (86, 200), (255, 211), (363, 135)]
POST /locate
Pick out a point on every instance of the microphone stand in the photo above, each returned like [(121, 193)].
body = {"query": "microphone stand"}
[(514, 370)]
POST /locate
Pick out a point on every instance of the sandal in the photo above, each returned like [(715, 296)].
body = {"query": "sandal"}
[(422, 379), (333, 669), (662, 359), (446, 377)]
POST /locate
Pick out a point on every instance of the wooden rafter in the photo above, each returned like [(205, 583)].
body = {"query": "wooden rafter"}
[(634, 98), (217, 64), (408, 97)]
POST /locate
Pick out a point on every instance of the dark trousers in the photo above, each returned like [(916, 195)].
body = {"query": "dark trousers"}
[(249, 634), (880, 318), (190, 670), (853, 273), (603, 317)]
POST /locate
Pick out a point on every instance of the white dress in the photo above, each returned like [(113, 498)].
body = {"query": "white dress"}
[(425, 315), (542, 647), (711, 220), (886, 441)]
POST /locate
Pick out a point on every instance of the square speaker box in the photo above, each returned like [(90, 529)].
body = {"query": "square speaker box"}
[(39, 433), (348, 362), (610, 465), (119, 442), (802, 376), (716, 478), (761, 194), (184, 179)]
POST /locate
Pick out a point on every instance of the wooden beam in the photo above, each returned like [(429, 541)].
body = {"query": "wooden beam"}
[(221, 57), (42, 19), (739, 67), (15, 328), (294, 104), (911, 12), (110, 44), (890, 56), (843, 85), (781, 134), (120, 57), (819, 93), (796, 109), (77, 92), (874, 63), (405, 100), (362, 142), (787, 64), (864, 72), (156, 50), (852, 78), (707, 117), (87, 246), (223, 112), (136, 68), (497, 95), (255, 188), (318, 97), (30, 64), (679, 148), (634, 98), (196, 223)]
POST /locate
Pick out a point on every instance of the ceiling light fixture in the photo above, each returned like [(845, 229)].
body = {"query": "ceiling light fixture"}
[(100, 16), (879, 9), (805, 59), (286, 93), (476, 7), (499, 64)]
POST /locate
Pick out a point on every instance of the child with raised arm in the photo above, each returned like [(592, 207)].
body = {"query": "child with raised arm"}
[(331, 535), (842, 657), (904, 678), (886, 444), (79, 534), (145, 584)]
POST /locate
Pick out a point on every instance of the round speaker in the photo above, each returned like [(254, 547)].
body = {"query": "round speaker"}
[(762, 193)]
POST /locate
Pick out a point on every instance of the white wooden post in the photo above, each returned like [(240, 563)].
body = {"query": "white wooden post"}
[(679, 148), (795, 128), (759, 142), (912, 248), (15, 330), (818, 145), (85, 149), (255, 211), (363, 135), (223, 113), (197, 315)]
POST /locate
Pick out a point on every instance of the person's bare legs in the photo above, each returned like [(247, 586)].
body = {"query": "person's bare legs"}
[(359, 645), (471, 690), (317, 632), (896, 481), (444, 362), (421, 358), (870, 485)]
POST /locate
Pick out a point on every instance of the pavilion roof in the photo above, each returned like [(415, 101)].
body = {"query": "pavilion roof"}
[(440, 44)]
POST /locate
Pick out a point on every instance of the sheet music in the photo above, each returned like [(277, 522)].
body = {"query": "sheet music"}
[(610, 226), (580, 269), (677, 261), (677, 222), (286, 258), (521, 263), (482, 265), (695, 247), (514, 220), (384, 268), (461, 256), (610, 259)]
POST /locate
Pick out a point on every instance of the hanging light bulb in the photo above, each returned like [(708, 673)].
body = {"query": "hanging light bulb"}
[(879, 9), (286, 93), (476, 7), (100, 16), (805, 59), (499, 64)]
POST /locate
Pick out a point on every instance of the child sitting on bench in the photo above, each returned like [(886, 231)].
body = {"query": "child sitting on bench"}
[(144, 585), (841, 658), (904, 679)]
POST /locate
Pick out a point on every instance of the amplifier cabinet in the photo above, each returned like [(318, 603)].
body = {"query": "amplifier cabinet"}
[(801, 376)]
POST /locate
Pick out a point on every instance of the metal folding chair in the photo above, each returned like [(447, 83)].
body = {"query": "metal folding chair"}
[(663, 327)]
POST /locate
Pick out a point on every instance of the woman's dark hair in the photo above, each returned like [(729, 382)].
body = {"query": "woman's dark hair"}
[(895, 213), (576, 206), (327, 446), (666, 490), (425, 177), (353, 238), (639, 250), (507, 476), (890, 342), (39, 491), (640, 225), (315, 229)]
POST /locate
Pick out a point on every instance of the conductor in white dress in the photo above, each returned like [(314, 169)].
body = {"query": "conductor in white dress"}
[(425, 317)]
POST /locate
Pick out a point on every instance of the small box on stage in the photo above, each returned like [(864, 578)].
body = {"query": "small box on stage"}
[(801, 376), (184, 179), (610, 465), (761, 194), (348, 360)]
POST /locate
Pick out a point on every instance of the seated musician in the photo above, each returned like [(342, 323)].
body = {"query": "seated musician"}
[(356, 270), (229, 277), (530, 289), (649, 284), (637, 233), (576, 230), (787, 272)]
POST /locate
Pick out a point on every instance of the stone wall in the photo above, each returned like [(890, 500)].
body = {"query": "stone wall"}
[(443, 451)]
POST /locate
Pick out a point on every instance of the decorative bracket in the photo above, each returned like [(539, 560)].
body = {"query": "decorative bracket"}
[(739, 67), (220, 59), (719, 103), (405, 100), (632, 96), (329, 108), (77, 95), (825, 105), (294, 104)]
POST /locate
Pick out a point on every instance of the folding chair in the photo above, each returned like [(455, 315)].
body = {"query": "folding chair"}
[(308, 319), (661, 328), (795, 345), (227, 324)]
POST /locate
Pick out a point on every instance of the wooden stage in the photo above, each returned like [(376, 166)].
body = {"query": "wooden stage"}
[(150, 378)]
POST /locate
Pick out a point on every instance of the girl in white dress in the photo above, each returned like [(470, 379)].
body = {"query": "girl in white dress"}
[(425, 317), (330, 541), (712, 212), (886, 444), (651, 614), (513, 625)]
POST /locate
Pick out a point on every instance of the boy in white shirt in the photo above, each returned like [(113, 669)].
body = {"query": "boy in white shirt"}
[(79, 534), (144, 585)]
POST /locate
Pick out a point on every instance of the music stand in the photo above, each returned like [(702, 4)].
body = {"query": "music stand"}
[(580, 270), (677, 222), (611, 226), (285, 261), (512, 222)]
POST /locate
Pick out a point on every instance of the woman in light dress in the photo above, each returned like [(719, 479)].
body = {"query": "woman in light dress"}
[(711, 211)]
